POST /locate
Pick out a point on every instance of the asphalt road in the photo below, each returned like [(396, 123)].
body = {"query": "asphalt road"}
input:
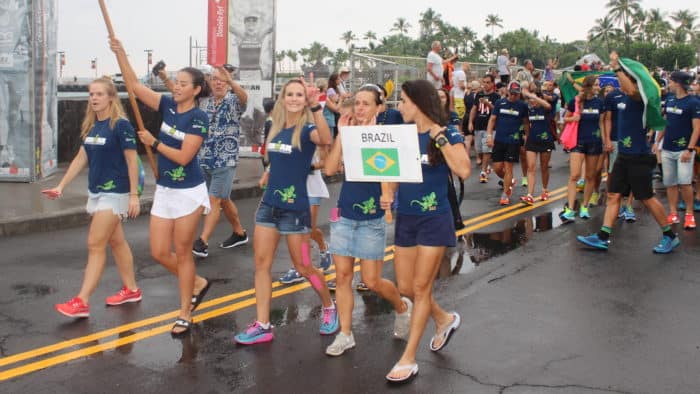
[(540, 315)]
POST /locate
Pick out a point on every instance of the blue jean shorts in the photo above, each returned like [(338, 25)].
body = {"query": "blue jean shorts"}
[(314, 201), (219, 181), (363, 239), (425, 230), (286, 221), (675, 171)]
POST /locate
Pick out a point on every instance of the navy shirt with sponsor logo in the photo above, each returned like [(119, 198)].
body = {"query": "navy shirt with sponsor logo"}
[(360, 200), (105, 152), (173, 130), (539, 125), (680, 114), (509, 120), (612, 100), (430, 196), (589, 126), (289, 168), (632, 137)]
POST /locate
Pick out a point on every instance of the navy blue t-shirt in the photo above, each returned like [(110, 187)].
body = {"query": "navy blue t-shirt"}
[(360, 200), (509, 120), (390, 116), (553, 111), (289, 168), (173, 130), (589, 126), (539, 125), (612, 100), (680, 114), (105, 152), (429, 197), (632, 134)]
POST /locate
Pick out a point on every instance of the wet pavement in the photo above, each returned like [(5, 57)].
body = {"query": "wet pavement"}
[(540, 314)]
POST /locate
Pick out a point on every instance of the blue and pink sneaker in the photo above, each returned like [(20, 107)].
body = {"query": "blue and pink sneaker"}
[(255, 333), (329, 321)]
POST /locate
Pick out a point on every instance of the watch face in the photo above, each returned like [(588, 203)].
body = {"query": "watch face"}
[(441, 141)]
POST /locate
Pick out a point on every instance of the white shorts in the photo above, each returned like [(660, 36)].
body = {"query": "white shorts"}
[(169, 203), (117, 202)]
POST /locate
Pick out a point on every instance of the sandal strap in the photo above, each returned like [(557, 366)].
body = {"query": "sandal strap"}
[(182, 323)]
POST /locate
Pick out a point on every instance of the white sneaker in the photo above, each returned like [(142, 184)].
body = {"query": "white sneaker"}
[(341, 343), (402, 323)]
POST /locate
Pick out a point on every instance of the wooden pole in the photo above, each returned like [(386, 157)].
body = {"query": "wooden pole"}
[(125, 69), (386, 191)]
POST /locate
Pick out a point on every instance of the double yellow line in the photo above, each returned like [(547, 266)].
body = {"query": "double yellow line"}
[(472, 224)]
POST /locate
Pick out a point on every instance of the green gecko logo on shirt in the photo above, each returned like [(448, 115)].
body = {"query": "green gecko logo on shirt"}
[(177, 174), (130, 139), (681, 142), (427, 203), (287, 195), (368, 207), (109, 185), (544, 135), (596, 133), (627, 142)]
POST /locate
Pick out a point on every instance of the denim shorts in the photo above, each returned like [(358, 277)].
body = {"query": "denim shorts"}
[(286, 221), (675, 171), (219, 181), (362, 239), (425, 230), (480, 142), (314, 201)]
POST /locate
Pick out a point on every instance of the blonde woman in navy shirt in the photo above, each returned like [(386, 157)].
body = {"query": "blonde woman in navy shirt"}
[(181, 194), (424, 222), (109, 151), (298, 126)]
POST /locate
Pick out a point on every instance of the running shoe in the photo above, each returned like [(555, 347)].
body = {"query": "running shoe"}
[(200, 248), (621, 212), (329, 321), (673, 218), (331, 285), (235, 240), (483, 178), (527, 199), (629, 215), (402, 322), (689, 222), (75, 307), (580, 184), (583, 213), (361, 286), (544, 196), (568, 216), (593, 241), (523, 183), (340, 344), (681, 205), (292, 276), (325, 262), (123, 296), (255, 333), (667, 245), (505, 200), (593, 201)]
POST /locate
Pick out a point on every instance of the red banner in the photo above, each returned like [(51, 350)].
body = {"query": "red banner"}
[(217, 28)]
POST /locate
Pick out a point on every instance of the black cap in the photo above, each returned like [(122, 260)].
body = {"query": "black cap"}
[(250, 18), (514, 87), (683, 78)]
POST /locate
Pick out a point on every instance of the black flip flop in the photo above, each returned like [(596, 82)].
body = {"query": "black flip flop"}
[(198, 298), (181, 323)]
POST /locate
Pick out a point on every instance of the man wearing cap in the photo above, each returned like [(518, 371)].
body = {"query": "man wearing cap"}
[(218, 157), (678, 142), (250, 50), (508, 115), (434, 65), (343, 84)]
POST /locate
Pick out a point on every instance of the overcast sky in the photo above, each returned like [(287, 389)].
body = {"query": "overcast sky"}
[(166, 25)]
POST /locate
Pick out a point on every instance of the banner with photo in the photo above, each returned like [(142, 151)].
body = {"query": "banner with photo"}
[(28, 132), (242, 33)]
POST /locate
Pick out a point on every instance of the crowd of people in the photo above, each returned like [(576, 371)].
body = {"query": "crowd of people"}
[(508, 118)]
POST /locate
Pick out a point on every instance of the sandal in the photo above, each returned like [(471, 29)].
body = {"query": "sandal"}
[(446, 334), (181, 323), (197, 298), (412, 368)]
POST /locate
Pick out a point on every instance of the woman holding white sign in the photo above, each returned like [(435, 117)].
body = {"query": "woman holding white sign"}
[(424, 223), (360, 232)]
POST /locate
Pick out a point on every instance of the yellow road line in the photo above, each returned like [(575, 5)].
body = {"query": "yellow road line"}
[(513, 210)]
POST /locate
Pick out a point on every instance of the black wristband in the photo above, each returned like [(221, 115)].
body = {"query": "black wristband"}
[(691, 150), (316, 108), (155, 144), (617, 70)]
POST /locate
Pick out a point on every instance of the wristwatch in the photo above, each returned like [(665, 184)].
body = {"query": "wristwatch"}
[(155, 144), (316, 108), (691, 150), (440, 140)]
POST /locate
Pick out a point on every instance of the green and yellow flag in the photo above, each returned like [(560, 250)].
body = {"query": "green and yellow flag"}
[(568, 91), (650, 91), (380, 161)]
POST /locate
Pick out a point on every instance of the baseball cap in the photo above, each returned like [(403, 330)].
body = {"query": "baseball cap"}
[(514, 87), (683, 78), (343, 70)]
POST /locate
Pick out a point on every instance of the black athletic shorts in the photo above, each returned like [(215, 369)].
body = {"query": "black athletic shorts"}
[(505, 152), (633, 173), (589, 148), (539, 146)]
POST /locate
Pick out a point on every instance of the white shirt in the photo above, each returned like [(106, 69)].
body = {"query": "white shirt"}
[(435, 59), (502, 63)]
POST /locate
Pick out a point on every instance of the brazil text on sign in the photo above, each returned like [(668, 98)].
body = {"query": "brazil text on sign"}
[(380, 162)]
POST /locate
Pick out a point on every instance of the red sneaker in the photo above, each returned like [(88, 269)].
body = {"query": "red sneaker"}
[(123, 296), (673, 218), (505, 200), (75, 307), (544, 196), (527, 200), (689, 222)]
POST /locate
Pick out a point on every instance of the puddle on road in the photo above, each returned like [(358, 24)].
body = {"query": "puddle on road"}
[(33, 290), (474, 249)]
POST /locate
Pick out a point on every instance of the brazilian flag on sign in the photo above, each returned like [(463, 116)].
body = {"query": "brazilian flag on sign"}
[(380, 162)]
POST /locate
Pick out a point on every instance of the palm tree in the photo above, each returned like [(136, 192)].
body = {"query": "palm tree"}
[(349, 37), (401, 26), (686, 24), (656, 27), (279, 57), (622, 11), (468, 36), (293, 56), (493, 21), (370, 36), (604, 30), (429, 21)]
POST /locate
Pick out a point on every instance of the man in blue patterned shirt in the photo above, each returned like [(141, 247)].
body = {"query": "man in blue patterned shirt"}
[(218, 157)]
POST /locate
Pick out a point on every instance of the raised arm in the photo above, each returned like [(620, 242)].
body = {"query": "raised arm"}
[(149, 97)]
